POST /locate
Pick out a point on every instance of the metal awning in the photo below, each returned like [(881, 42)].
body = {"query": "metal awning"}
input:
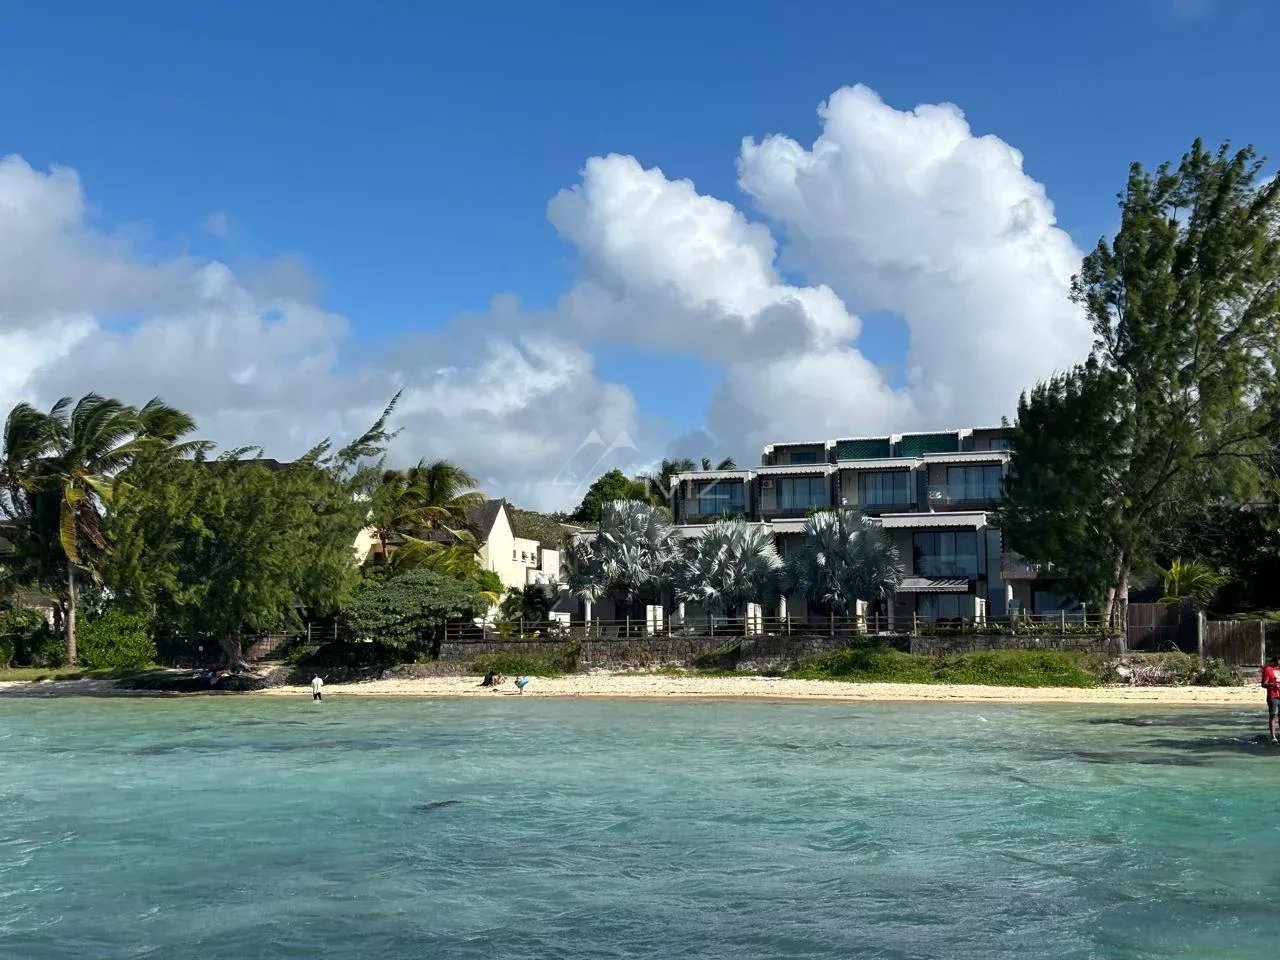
[(708, 475), (968, 456), (965, 520), (797, 468), (931, 585), (881, 463)]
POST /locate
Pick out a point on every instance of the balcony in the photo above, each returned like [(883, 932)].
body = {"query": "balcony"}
[(964, 495)]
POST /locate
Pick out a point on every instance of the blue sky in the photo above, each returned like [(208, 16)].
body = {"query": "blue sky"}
[(406, 153)]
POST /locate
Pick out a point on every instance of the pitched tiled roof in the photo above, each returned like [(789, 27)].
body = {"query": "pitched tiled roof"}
[(481, 518)]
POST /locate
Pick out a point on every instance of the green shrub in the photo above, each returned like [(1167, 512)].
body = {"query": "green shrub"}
[(555, 663), (115, 640), (26, 638), (866, 664), (1014, 668), (342, 655), (1006, 668)]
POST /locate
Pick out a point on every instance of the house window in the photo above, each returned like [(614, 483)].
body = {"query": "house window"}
[(809, 456), (889, 487), (1001, 443), (946, 553), (940, 606), (720, 497), (800, 493), (979, 483)]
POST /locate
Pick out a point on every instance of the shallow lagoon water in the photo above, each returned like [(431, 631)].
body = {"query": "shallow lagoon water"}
[(249, 828)]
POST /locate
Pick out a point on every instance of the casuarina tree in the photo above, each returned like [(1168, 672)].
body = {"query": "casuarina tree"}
[(1178, 404)]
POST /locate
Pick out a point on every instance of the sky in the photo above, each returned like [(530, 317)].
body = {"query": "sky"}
[(581, 235)]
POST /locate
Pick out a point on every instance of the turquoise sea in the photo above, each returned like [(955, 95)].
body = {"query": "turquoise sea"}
[(242, 828)]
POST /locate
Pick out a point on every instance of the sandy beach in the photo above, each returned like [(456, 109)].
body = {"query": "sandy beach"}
[(662, 686)]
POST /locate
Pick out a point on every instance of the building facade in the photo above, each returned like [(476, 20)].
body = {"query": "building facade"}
[(935, 492)]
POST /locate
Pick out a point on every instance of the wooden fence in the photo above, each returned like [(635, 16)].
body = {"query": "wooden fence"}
[(1240, 643), (1159, 627)]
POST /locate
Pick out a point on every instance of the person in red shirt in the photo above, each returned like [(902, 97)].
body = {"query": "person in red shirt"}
[(1271, 681)]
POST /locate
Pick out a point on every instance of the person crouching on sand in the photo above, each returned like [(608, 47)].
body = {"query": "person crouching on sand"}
[(1271, 681), (317, 688)]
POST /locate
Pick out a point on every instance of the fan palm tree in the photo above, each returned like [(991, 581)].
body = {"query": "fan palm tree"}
[(61, 468), (635, 547), (734, 563), (844, 558)]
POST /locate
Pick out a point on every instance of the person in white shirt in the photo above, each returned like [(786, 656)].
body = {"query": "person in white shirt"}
[(317, 688)]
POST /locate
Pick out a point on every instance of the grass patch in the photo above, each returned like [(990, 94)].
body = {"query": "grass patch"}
[(554, 663), (1003, 668)]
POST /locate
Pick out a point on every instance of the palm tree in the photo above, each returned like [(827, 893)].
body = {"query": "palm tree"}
[(842, 559), (635, 547), (725, 464), (734, 563), (1194, 579), (61, 468), (448, 493), (426, 498)]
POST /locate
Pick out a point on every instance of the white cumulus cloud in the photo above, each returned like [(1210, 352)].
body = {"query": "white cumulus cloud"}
[(907, 212)]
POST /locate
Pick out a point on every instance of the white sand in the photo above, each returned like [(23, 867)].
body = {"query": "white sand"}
[(663, 686), (659, 686)]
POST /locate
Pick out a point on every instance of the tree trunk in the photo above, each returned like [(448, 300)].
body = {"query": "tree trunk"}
[(234, 652), (1118, 592), (71, 614)]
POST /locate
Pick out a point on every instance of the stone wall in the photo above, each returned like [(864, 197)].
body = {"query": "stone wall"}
[(730, 653), (762, 653)]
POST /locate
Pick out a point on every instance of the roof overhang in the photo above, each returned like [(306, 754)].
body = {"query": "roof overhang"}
[(880, 463), (960, 520), (933, 585), (713, 475), (798, 469), (968, 456)]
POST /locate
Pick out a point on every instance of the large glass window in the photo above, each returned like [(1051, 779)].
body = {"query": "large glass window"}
[(885, 488), (940, 606), (799, 493), (1001, 443), (804, 456), (720, 497), (946, 553), (974, 483)]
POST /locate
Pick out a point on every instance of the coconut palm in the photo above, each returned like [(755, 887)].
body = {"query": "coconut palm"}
[(734, 563), (429, 498), (635, 547), (843, 558), (1194, 579), (61, 468)]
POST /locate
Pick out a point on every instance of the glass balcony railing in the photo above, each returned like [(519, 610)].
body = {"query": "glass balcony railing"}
[(964, 493), (959, 565)]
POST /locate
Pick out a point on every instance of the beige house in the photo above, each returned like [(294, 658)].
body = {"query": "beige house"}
[(518, 561)]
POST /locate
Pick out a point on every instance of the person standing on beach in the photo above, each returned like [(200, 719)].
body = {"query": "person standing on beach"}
[(1271, 681), (317, 688)]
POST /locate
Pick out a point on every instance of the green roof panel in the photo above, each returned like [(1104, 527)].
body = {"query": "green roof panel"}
[(862, 449)]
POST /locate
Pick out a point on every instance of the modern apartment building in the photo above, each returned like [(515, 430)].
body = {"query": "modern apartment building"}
[(934, 492)]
